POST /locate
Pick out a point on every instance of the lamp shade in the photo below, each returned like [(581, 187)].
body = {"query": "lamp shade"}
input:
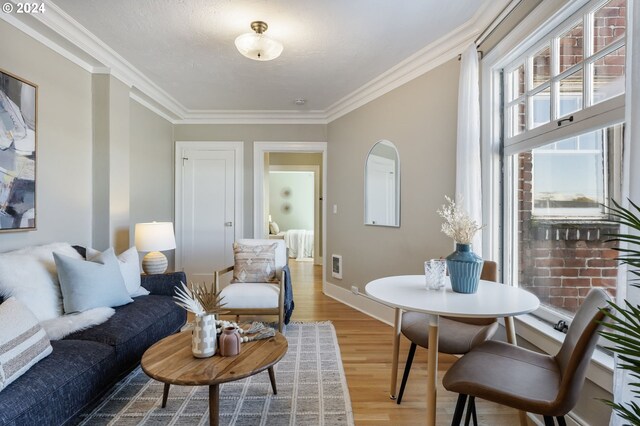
[(154, 236)]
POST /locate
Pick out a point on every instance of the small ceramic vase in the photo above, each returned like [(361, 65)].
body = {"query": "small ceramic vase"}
[(203, 339), (464, 268), (230, 342)]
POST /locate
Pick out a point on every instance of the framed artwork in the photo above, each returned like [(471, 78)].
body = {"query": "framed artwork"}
[(18, 124)]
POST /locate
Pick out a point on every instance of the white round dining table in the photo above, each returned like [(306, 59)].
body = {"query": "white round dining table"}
[(409, 293)]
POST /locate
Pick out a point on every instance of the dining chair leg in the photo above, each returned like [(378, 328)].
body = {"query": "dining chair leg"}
[(407, 369), (457, 414), (548, 421), (471, 412), (561, 421)]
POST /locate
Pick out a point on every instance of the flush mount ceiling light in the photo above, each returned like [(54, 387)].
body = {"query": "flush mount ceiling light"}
[(258, 46)]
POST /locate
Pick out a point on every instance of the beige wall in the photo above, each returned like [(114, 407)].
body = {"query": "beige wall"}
[(151, 170), (420, 119), (249, 133), (63, 186), (111, 157)]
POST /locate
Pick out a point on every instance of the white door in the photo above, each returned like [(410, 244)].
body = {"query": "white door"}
[(206, 220)]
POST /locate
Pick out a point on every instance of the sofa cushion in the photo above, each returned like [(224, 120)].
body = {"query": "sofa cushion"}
[(57, 387), (136, 326), (91, 284)]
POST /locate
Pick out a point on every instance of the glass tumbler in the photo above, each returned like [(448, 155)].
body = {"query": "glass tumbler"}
[(435, 271)]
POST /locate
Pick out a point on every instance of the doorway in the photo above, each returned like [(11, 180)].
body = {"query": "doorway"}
[(294, 201), (261, 154), (208, 213)]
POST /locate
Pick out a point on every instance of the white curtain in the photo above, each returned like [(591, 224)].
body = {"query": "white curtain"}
[(468, 169), (631, 181)]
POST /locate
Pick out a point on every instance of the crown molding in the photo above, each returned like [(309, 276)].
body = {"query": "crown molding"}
[(77, 44), (254, 117), (426, 59)]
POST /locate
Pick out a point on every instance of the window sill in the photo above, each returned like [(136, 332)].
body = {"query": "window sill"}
[(543, 336)]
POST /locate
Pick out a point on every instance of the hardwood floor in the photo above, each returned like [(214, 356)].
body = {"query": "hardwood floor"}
[(365, 345)]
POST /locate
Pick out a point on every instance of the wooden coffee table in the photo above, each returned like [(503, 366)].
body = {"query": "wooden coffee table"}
[(170, 361)]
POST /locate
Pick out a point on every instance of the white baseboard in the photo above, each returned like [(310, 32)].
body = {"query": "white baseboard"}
[(360, 302)]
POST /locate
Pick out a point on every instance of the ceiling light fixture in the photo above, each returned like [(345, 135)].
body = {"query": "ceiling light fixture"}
[(258, 46)]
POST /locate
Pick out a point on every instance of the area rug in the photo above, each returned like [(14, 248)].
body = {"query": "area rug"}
[(312, 390)]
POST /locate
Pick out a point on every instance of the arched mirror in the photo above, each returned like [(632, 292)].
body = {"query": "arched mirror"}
[(382, 185)]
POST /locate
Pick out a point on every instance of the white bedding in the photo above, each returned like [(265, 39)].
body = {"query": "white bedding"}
[(299, 242)]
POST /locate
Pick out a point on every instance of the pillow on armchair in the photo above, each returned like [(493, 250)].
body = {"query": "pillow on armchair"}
[(254, 263)]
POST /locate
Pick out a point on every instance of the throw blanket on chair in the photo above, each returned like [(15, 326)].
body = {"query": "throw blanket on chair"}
[(288, 295)]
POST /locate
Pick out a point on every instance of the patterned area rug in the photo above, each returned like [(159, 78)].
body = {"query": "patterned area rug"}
[(312, 390)]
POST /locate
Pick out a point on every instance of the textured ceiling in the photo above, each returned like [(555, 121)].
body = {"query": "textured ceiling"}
[(331, 47)]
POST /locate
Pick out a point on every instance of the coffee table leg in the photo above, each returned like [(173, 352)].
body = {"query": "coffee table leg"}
[(165, 394), (214, 415), (272, 378)]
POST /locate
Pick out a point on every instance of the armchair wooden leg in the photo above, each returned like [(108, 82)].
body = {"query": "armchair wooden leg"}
[(561, 421), (548, 421)]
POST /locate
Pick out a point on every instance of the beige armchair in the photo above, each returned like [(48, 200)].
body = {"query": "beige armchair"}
[(252, 258)]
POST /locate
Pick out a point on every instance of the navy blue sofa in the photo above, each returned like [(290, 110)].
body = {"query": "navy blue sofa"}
[(85, 364)]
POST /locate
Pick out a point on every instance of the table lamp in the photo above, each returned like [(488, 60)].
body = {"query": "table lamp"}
[(154, 237)]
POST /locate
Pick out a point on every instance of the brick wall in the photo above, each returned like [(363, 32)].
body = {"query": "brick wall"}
[(561, 260)]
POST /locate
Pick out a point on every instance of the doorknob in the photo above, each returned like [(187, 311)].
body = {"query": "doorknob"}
[(228, 224)]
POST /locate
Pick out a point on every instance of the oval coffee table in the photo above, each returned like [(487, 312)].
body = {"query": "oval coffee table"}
[(170, 361)]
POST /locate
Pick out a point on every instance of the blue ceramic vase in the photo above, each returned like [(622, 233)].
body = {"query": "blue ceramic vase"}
[(464, 269)]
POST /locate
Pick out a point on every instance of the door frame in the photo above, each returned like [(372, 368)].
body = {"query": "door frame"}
[(259, 149), (180, 148)]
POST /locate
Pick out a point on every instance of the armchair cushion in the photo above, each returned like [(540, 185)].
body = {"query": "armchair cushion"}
[(254, 263), (251, 296)]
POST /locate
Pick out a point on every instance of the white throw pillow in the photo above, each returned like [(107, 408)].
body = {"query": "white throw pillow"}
[(29, 275), (129, 267), (23, 342), (88, 284)]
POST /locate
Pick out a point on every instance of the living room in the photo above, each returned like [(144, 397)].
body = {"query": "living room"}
[(109, 123)]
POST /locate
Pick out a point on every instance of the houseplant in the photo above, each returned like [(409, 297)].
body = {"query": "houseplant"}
[(622, 327), (464, 265)]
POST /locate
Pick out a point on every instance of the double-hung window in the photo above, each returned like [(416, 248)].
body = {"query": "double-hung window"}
[(562, 125)]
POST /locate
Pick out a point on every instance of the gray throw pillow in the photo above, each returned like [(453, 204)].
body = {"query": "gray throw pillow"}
[(91, 284)]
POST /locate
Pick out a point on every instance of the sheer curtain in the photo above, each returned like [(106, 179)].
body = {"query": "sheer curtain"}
[(468, 169), (631, 181)]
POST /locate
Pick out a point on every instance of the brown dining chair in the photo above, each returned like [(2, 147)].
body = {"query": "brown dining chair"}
[(548, 385), (457, 335)]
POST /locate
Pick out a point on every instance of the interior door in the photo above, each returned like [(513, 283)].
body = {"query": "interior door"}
[(207, 228)]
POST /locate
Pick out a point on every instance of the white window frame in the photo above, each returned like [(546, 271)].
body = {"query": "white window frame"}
[(545, 22)]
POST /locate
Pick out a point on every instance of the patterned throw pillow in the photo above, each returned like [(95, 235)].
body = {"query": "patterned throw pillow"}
[(23, 342), (254, 263)]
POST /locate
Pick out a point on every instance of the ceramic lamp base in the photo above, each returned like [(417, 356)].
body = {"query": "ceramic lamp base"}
[(154, 263)]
